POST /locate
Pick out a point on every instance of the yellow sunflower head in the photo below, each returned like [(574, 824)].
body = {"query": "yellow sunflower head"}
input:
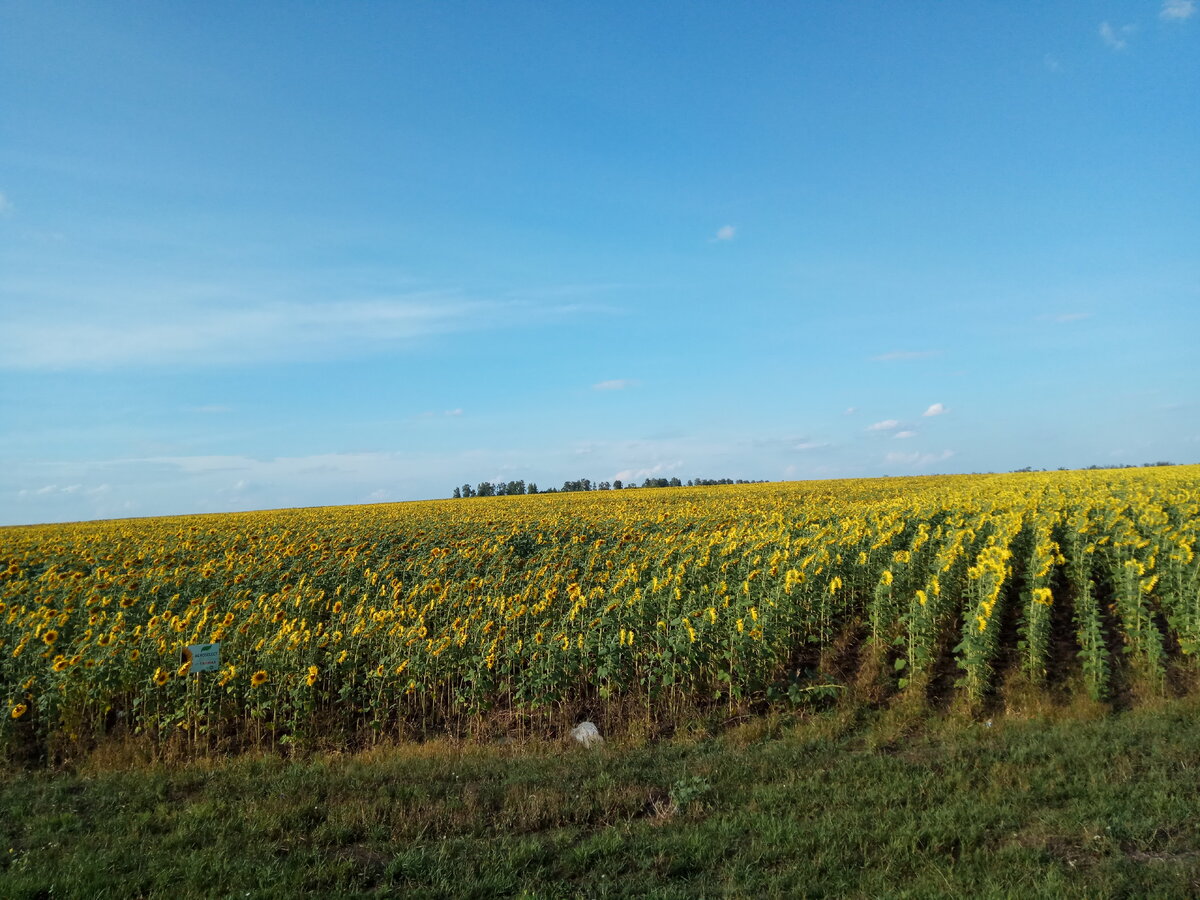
[(258, 678), (19, 710), (161, 676), (50, 637)]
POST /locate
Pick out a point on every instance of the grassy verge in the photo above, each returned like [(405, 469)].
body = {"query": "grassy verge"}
[(852, 803)]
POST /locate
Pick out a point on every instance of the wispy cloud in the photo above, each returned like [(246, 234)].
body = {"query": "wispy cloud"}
[(917, 459), (810, 445), (1064, 318), (5, 203), (1177, 10), (453, 412), (885, 425), (850, 410), (207, 332), (1050, 61), (725, 233), (1116, 38), (935, 409), (614, 384), (47, 489), (210, 409), (896, 355), (904, 434)]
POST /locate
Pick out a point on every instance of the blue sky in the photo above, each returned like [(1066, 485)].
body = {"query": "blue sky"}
[(263, 255)]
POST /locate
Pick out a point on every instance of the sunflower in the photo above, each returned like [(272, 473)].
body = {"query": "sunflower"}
[(184, 669), (50, 637), (310, 679), (60, 663), (161, 676), (19, 710), (258, 678)]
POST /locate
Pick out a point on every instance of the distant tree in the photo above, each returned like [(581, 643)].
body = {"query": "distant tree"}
[(468, 491), (457, 494), (532, 488), (617, 485), (675, 482), (485, 489), (603, 486)]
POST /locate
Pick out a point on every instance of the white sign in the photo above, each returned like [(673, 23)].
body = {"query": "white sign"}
[(203, 657)]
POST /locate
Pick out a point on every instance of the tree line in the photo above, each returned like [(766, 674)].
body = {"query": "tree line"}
[(1145, 465), (509, 488)]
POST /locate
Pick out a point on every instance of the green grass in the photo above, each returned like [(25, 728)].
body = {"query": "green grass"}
[(849, 803)]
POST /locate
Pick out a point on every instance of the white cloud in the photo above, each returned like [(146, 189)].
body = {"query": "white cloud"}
[(905, 434), (210, 409), (1063, 318), (850, 410), (917, 459), (453, 412), (936, 409), (885, 425), (895, 355), (1051, 62), (1177, 10), (54, 489), (5, 203), (725, 233), (1116, 38), (810, 445), (615, 384), (57, 333)]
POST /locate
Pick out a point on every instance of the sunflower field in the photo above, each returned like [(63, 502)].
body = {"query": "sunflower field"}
[(413, 616)]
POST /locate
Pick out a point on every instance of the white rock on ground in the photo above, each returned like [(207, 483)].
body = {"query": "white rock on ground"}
[(587, 733)]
